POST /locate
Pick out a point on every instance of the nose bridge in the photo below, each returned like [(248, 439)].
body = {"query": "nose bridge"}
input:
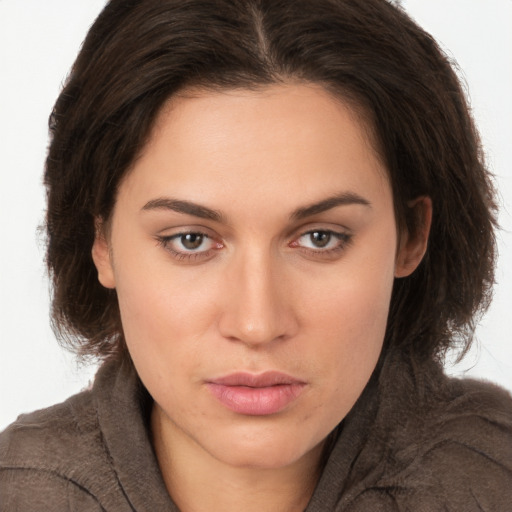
[(256, 311)]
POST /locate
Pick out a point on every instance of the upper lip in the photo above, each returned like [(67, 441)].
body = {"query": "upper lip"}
[(261, 380)]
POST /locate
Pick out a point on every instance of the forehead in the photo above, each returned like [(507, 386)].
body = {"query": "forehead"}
[(289, 141), (266, 105)]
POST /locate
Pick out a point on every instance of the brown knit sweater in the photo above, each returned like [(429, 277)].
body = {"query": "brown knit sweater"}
[(415, 441)]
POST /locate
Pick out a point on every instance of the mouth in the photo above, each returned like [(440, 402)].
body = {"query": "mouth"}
[(256, 395)]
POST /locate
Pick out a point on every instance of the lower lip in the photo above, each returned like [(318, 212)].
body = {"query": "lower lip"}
[(256, 401)]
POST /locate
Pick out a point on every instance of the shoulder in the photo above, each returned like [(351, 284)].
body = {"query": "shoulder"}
[(471, 420), (450, 451), (55, 459), (467, 447), (41, 435)]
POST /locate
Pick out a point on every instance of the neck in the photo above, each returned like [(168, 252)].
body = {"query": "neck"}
[(198, 482)]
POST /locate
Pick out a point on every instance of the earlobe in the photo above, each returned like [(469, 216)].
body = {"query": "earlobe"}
[(413, 245), (102, 258)]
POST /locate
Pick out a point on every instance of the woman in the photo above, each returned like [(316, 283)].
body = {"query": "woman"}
[(270, 219)]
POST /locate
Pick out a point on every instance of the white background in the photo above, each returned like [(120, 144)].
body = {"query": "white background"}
[(38, 43)]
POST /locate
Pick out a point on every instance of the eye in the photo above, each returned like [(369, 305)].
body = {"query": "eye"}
[(322, 242), (192, 241), (190, 245), (319, 240)]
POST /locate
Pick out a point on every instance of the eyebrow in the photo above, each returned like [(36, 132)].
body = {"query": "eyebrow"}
[(343, 199), (203, 212), (186, 207)]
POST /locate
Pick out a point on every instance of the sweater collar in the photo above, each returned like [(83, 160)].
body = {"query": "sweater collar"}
[(123, 406)]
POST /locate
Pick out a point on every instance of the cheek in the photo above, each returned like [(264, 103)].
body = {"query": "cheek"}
[(345, 354), (352, 300), (164, 332), (352, 327), (165, 315), (348, 317)]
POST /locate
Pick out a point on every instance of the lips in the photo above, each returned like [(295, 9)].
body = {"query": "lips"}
[(256, 395)]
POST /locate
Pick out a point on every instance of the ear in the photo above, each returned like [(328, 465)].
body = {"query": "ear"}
[(102, 257), (413, 245)]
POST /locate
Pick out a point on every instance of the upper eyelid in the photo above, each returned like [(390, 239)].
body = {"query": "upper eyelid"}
[(170, 232), (324, 230), (191, 232), (320, 225), (336, 230)]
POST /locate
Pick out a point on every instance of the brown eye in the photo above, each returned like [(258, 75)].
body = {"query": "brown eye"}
[(320, 239), (191, 241)]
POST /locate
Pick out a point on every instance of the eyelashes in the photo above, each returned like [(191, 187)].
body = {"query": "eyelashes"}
[(190, 246), (322, 242), (195, 246)]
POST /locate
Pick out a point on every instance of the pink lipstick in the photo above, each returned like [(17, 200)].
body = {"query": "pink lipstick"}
[(256, 395)]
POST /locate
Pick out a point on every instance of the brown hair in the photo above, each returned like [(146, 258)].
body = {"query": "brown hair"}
[(140, 52)]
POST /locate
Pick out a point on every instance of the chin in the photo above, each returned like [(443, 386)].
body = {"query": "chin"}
[(261, 450)]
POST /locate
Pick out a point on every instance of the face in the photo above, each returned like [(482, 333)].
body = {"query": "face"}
[(253, 247)]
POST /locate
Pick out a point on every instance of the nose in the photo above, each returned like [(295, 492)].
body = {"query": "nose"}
[(257, 308)]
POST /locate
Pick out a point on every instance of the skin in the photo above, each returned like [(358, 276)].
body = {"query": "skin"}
[(258, 293)]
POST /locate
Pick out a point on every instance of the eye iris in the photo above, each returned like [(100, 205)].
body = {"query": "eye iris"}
[(192, 240), (320, 238)]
